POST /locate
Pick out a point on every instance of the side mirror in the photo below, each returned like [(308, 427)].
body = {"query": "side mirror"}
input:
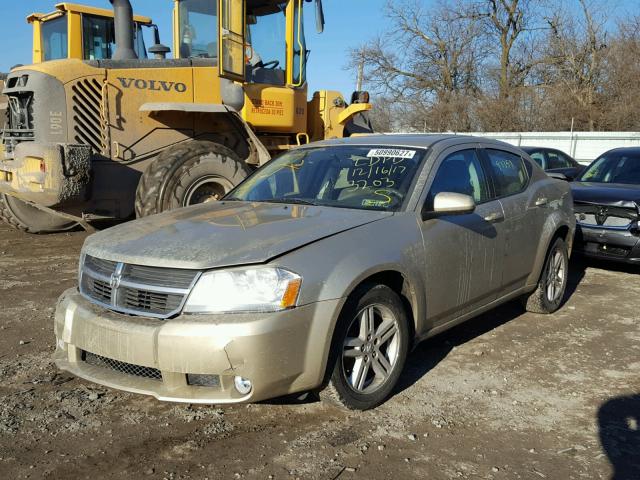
[(558, 176), (450, 203)]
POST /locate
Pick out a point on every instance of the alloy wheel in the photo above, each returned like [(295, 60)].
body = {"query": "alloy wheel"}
[(556, 276), (371, 347)]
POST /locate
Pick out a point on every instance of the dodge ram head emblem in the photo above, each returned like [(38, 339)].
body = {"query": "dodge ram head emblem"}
[(601, 216), (116, 277)]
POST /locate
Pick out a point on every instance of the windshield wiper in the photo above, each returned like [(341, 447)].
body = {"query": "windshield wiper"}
[(296, 201)]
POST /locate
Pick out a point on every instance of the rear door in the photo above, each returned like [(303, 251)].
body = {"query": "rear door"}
[(524, 212), (463, 252)]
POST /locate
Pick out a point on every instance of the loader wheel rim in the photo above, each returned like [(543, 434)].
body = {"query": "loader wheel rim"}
[(208, 189)]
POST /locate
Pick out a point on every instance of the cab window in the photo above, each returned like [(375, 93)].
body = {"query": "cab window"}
[(266, 34), (508, 172), (460, 172), (55, 38), (198, 29)]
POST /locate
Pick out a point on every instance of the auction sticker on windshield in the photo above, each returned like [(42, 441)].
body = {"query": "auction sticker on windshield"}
[(391, 152)]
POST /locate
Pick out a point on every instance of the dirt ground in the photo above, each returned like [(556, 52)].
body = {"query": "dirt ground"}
[(507, 395)]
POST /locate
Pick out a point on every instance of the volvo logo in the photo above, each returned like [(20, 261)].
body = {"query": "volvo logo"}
[(116, 277), (153, 85), (601, 215)]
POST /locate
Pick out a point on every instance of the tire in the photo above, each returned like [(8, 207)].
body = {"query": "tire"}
[(187, 174), (358, 378), (549, 293), (24, 217)]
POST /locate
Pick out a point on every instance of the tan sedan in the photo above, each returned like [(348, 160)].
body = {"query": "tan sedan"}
[(319, 272)]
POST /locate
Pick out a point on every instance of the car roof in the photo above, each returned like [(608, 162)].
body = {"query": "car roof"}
[(631, 150), (416, 140)]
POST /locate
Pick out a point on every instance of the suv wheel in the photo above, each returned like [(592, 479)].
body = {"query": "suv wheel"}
[(369, 349), (548, 295)]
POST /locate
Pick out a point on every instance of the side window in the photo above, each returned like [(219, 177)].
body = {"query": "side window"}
[(98, 37), (508, 172), (460, 172), (557, 160), (55, 38), (538, 157)]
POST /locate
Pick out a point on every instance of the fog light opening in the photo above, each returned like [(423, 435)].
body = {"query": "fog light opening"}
[(199, 380), (243, 385)]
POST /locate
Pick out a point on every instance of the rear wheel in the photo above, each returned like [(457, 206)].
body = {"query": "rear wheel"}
[(548, 295), (24, 217), (369, 349), (188, 174)]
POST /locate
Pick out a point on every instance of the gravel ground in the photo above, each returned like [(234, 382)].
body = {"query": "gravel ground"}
[(507, 395)]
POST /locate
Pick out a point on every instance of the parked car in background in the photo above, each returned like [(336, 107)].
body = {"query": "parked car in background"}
[(607, 206), (555, 161), (319, 272)]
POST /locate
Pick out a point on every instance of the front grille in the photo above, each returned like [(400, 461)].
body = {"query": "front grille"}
[(136, 289), (618, 218), (146, 301), (87, 119), (121, 367)]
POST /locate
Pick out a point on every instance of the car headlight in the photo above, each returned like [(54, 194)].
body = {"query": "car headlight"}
[(251, 289)]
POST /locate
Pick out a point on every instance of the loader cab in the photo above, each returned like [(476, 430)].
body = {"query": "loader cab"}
[(259, 44), (78, 31), (253, 37)]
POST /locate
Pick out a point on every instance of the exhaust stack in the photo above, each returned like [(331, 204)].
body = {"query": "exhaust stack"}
[(124, 28)]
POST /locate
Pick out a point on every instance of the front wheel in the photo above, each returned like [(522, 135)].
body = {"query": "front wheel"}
[(548, 295), (369, 349)]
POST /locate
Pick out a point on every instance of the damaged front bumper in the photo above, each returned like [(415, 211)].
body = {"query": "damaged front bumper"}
[(621, 245), (280, 353)]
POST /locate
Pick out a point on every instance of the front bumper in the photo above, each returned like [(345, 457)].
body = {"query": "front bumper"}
[(608, 244), (281, 353)]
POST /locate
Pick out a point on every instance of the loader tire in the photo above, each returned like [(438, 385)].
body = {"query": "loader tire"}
[(24, 217), (188, 174)]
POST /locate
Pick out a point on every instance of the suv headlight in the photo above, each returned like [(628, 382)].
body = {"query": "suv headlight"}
[(251, 289)]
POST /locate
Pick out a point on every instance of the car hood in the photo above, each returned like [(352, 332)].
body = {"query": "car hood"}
[(611, 194), (223, 234)]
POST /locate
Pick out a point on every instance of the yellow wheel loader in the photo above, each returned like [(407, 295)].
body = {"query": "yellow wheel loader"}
[(107, 139)]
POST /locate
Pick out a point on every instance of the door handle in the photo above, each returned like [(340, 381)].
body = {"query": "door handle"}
[(542, 202), (494, 217)]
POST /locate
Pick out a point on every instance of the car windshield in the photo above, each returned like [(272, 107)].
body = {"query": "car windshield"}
[(614, 167), (360, 177)]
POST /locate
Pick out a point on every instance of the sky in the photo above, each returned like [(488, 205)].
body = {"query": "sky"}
[(349, 23)]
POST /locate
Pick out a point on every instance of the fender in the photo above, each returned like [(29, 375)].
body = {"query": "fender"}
[(555, 221), (259, 154)]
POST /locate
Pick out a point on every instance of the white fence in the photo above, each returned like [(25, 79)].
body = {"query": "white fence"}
[(583, 146)]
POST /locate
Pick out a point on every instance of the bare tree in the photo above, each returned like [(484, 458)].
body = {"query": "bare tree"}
[(428, 59), (574, 67)]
